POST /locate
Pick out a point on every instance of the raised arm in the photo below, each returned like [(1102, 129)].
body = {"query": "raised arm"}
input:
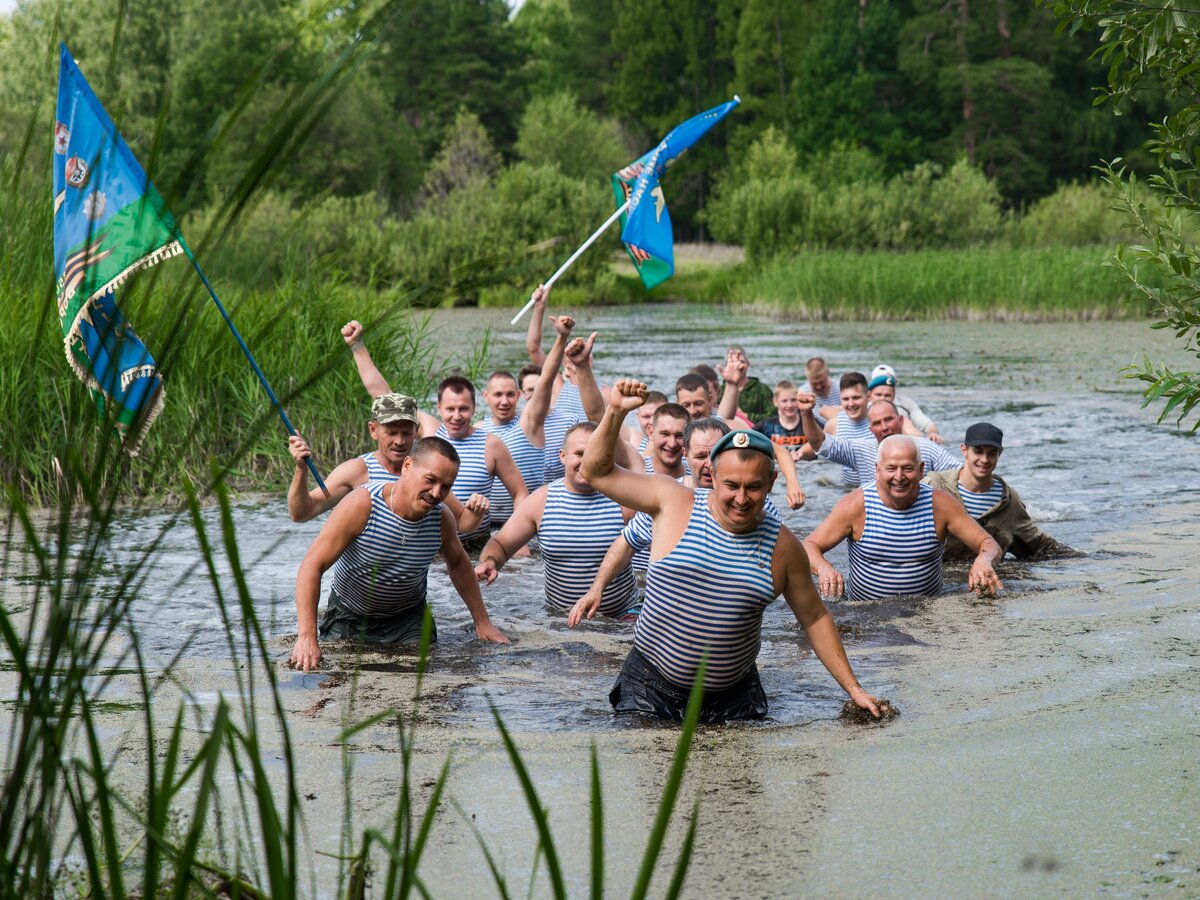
[(633, 490), (813, 433), (533, 418), (304, 504), (840, 524), (533, 335), (500, 461), (812, 615), (982, 578), (346, 522), (579, 355), (458, 567), (733, 373), (373, 381)]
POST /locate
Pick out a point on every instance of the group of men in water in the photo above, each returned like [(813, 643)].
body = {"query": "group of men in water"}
[(668, 524)]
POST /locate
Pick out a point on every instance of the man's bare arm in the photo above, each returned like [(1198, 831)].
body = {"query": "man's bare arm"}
[(505, 467), (372, 379), (520, 528), (305, 504), (458, 567), (787, 465), (835, 528), (982, 578), (615, 560), (818, 624), (813, 433), (533, 334), (347, 521)]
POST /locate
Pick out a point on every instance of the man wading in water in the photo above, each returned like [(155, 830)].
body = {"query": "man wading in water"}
[(380, 542), (716, 563)]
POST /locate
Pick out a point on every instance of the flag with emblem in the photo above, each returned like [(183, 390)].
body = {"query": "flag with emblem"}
[(646, 225), (109, 222)]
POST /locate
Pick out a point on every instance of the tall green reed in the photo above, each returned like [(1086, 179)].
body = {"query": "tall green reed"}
[(212, 812)]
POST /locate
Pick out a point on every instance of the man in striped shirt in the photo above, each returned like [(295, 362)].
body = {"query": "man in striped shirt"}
[(897, 528), (717, 561), (858, 456), (393, 427), (381, 541)]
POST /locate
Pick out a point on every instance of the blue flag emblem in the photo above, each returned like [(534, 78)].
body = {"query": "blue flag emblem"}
[(646, 228), (109, 222)]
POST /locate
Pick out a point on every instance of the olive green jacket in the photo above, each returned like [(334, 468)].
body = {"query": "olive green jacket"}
[(1008, 522)]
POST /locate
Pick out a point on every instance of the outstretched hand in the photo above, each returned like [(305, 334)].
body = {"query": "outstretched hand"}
[(587, 605), (735, 367), (540, 296), (984, 580), (627, 395), (352, 333)]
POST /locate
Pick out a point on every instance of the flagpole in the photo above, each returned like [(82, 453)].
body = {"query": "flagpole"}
[(574, 256), (254, 365)]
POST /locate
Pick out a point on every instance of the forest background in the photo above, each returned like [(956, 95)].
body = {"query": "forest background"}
[(472, 132)]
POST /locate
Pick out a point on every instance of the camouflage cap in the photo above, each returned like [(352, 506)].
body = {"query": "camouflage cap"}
[(394, 408)]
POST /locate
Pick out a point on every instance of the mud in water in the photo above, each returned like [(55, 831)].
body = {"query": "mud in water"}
[(1048, 737)]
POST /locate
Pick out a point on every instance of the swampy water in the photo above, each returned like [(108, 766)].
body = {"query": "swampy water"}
[(1048, 741)]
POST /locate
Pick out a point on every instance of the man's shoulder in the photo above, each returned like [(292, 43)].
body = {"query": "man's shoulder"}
[(945, 479)]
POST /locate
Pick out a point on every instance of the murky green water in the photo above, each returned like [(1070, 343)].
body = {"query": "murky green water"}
[(1047, 743)]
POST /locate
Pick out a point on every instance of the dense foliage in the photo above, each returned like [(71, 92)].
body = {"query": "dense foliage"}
[(452, 93), (1156, 48)]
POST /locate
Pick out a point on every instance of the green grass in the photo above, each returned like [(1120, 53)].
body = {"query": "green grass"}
[(1025, 284)]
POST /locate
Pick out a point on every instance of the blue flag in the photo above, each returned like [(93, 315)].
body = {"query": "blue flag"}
[(109, 222), (646, 225)]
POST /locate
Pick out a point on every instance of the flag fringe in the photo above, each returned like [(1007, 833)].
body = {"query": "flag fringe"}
[(174, 248), (164, 252)]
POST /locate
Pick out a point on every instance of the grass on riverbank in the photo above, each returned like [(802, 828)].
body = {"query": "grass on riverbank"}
[(1006, 284)]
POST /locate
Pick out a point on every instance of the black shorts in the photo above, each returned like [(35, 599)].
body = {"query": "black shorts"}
[(641, 688), (339, 623)]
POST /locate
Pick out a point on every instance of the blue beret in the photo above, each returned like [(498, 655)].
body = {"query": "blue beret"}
[(743, 440)]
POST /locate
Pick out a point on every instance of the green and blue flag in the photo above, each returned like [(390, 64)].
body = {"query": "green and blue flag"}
[(646, 225), (109, 222)]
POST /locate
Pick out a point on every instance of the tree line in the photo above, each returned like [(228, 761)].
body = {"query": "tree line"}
[(454, 94)]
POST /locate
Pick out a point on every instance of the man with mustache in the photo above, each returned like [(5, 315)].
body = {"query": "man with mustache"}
[(380, 542)]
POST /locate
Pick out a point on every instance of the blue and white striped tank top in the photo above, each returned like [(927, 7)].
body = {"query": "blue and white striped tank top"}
[(899, 551), (850, 430), (860, 456), (709, 591), (978, 503), (383, 570), (567, 411), (643, 443), (473, 476), (575, 534), (375, 469), (530, 462), (639, 532)]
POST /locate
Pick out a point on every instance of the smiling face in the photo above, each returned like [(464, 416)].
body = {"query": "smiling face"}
[(787, 405), (883, 420), (456, 409), (697, 456), (425, 483), (667, 440), (898, 473), (501, 396), (741, 483), (854, 402), (981, 461), (571, 455), (394, 440), (645, 416), (697, 402)]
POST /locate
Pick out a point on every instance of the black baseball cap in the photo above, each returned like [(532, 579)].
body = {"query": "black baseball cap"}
[(984, 434)]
